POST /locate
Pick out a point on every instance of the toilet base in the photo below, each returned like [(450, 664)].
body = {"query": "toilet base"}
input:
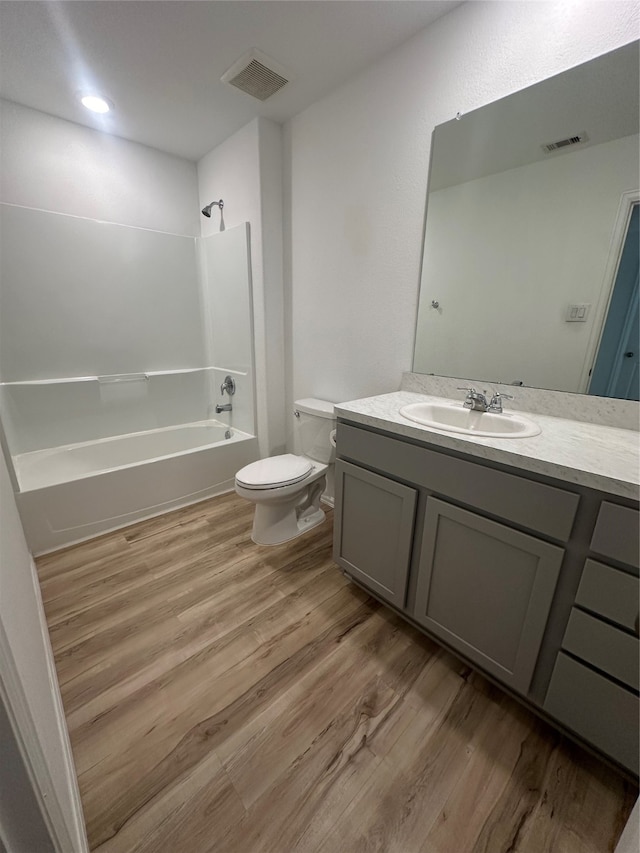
[(284, 514), (272, 528)]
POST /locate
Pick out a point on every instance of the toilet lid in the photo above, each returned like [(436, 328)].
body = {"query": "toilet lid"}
[(281, 470)]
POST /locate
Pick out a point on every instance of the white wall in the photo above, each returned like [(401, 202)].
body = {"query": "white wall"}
[(245, 171), (52, 164), (356, 181), (484, 265), (27, 675)]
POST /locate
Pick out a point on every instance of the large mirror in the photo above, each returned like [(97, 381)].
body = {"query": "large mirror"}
[(530, 264)]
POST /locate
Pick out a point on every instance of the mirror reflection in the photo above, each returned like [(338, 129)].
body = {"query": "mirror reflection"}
[(530, 265)]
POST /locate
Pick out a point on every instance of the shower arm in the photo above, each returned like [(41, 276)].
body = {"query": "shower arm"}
[(206, 211)]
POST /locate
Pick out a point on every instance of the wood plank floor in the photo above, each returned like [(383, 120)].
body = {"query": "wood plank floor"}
[(230, 698)]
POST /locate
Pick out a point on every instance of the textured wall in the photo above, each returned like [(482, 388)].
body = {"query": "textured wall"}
[(356, 181)]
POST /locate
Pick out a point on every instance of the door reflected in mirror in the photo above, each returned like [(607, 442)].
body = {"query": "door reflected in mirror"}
[(530, 265)]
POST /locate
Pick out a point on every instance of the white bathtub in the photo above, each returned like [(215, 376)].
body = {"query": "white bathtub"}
[(77, 491)]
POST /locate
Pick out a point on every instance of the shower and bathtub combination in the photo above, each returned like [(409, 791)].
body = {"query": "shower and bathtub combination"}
[(119, 347)]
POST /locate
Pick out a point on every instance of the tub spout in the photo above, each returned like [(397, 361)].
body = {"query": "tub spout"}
[(225, 408)]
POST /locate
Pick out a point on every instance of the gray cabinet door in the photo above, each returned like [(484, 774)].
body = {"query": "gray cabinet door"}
[(373, 530), (486, 590)]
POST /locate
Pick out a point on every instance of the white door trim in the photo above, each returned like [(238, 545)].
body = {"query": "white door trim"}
[(66, 838), (616, 244)]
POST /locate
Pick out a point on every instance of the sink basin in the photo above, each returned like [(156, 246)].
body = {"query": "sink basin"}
[(453, 417)]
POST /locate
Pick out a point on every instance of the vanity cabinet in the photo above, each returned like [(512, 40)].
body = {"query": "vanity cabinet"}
[(595, 681), (532, 580)]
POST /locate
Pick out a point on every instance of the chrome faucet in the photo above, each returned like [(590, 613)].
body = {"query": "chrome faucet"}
[(496, 402), (475, 400), (230, 387)]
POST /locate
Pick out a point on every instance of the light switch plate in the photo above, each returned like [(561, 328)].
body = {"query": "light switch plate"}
[(577, 312)]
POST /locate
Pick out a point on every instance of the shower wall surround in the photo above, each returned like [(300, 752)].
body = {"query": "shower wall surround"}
[(246, 171), (81, 298), (227, 313), (51, 164)]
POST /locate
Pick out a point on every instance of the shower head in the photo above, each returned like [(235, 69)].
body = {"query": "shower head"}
[(206, 211)]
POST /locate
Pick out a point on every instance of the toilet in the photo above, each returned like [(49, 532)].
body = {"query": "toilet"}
[(287, 489)]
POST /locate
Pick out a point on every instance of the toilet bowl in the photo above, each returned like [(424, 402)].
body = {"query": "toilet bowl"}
[(287, 489)]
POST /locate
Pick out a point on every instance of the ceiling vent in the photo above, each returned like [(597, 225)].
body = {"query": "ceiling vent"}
[(565, 143), (257, 75)]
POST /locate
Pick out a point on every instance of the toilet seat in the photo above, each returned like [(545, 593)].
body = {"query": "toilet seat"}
[(276, 471)]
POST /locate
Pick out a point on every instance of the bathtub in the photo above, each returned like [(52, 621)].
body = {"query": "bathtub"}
[(78, 491)]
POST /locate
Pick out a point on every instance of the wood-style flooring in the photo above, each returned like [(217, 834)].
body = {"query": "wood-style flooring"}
[(229, 698)]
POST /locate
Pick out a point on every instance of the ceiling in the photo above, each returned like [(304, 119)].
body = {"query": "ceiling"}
[(161, 62)]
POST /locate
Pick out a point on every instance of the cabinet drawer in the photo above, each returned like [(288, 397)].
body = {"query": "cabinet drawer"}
[(605, 647), (617, 534), (609, 593), (595, 708), (533, 505)]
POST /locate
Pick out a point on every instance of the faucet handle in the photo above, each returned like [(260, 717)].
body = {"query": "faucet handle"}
[(228, 385), (496, 401)]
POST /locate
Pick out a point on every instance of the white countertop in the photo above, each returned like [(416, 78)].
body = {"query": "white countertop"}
[(600, 457)]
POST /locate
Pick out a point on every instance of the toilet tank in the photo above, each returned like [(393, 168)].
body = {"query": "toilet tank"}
[(315, 421)]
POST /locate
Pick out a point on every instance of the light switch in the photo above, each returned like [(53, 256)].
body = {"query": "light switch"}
[(577, 312)]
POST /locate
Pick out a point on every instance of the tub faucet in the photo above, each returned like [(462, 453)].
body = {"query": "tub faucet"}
[(228, 385)]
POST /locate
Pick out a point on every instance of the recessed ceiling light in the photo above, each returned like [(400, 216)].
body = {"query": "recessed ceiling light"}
[(96, 103)]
